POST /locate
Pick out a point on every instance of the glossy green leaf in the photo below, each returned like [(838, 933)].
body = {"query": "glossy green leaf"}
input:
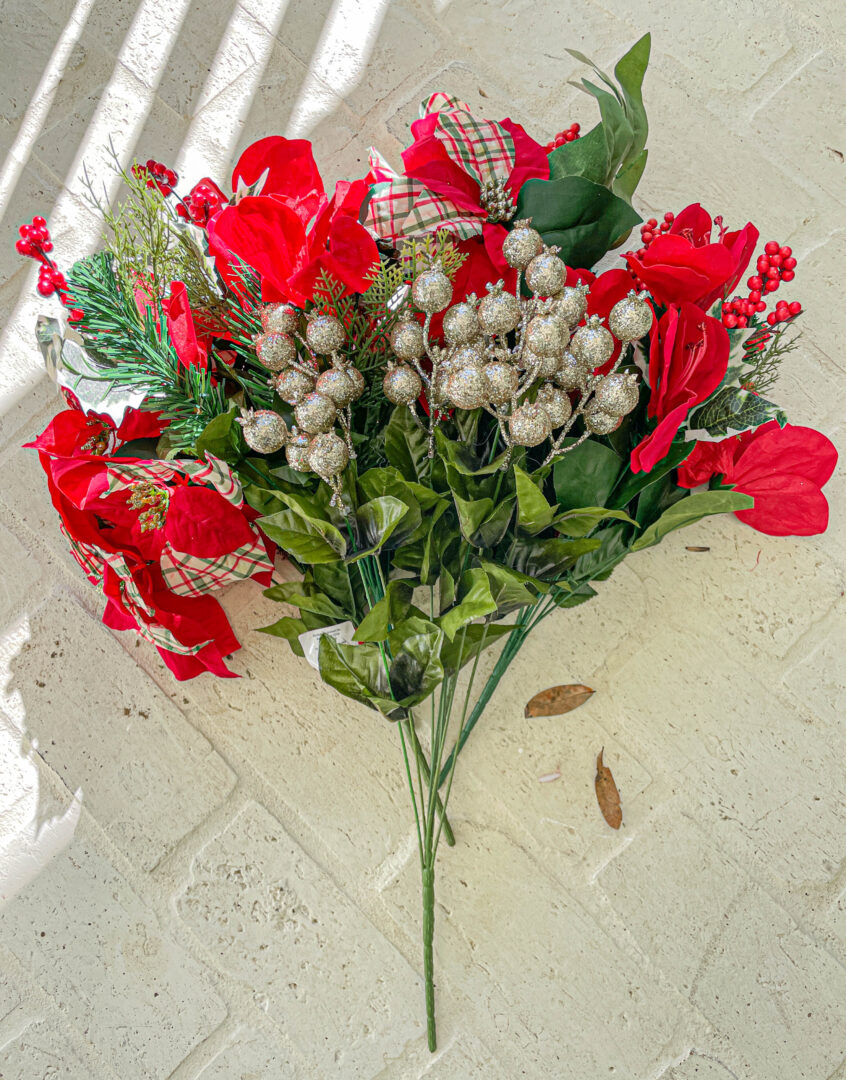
[(416, 668), (390, 481), (406, 446), (583, 521), (546, 559), (375, 522), (289, 628), (358, 672), (344, 588), (387, 612), (631, 484), (302, 596), (731, 411), (691, 509), (612, 549), (223, 438), (534, 514), (474, 601), (302, 538), (586, 156), (510, 589), (586, 475)]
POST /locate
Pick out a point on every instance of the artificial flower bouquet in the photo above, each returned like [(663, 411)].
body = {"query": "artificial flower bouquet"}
[(419, 392)]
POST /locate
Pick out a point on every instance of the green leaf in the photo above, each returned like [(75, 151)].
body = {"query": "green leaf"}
[(289, 628), (534, 514), (691, 509), (585, 476), (406, 446), (307, 598), (335, 580), (473, 638), (583, 521), (309, 509), (223, 438), (482, 524), (436, 544), (302, 538), (546, 559), (377, 482), (631, 484), (387, 612), (376, 520), (474, 601), (416, 668), (628, 177), (358, 672), (597, 565), (629, 72), (731, 411), (446, 590), (581, 217), (509, 588), (587, 156), (579, 595)]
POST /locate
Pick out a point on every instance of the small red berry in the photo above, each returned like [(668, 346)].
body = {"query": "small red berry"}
[(788, 275), (755, 282), (763, 264), (742, 321), (670, 216), (760, 306), (785, 252), (773, 274), (730, 321), (772, 318), (789, 263), (771, 248), (755, 295), (652, 222), (795, 307)]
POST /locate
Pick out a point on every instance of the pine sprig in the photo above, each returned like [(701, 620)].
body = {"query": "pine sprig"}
[(764, 363)]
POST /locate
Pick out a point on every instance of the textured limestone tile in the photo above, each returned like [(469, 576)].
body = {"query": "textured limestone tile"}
[(765, 784), (42, 1050), (339, 990), (817, 141), (777, 997), (548, 986), (28, 45), (146, 775), (699, 1066), (671, 888), (9, 996), (819, 272), (252, 1055), (817, 679), (751, 594), (90, 942), (18, 584)]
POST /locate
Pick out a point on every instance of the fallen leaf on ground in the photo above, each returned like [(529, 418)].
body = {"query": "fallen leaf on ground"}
[(607, 794), (558, 699), (692, 547)]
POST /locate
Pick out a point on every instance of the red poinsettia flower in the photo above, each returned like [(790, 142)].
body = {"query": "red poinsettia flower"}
[(291, 232), (783, 469), (688, 358), (73, 432), (684, 265), (447, 168), (157, 537)]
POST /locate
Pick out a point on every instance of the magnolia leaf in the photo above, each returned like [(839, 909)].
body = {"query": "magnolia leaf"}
[(607, 794), (534, 514), (558, 700), (584, 520), (289, 628), (358, 672), (732, 411), (474, 601), (691, 509), (585, 476)]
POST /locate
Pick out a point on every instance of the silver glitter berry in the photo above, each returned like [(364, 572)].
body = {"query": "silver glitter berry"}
[(431, 291), (592, 343), (617, 394), (325, 334), (556, 403), (503, 380), (630, 318), (541, 367), (402, 385), (499, 312), (296, 452), (407, 340), (293, 385), (522, 244), (464, 356), (545, 274), (599, 422), (282, 317), (467, 387), (529, 425), (315, 413), (328, 455), (546, 335), (275, 349), (336, 384), (461, 324), (356, 378), (264, 430), (572, 374), (571, 304)]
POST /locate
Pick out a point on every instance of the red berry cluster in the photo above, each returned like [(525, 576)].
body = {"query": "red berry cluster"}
[(774, 266), (203, 202), (650, 229), (568, 135), (156, 175), (35, 243)]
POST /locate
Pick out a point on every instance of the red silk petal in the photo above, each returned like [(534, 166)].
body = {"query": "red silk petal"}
[(291, 172), (785, 505)]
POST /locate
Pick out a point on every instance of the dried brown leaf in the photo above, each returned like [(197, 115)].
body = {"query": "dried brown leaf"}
[(607, 794), (692, 547), (558, 699)]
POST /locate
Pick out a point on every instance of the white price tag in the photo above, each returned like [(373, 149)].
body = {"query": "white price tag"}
[(310, 640)]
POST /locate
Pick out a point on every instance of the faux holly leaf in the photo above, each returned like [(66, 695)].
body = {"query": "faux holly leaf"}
[(583, 218), (690, 509), (731, 411)]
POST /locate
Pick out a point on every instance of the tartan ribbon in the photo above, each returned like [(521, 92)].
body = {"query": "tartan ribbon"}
[(212, 471), (193, 575), (402, 206)]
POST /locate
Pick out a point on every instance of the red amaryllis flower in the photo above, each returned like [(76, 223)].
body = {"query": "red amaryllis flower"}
[(688, 358), (783, 469), (291, 232), (684, 265), (447, 170)]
